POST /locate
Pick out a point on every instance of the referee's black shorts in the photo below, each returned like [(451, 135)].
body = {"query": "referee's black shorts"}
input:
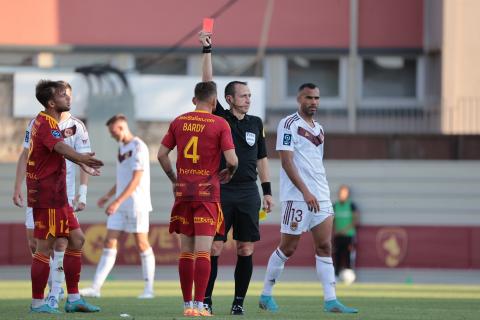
[(240, 205)]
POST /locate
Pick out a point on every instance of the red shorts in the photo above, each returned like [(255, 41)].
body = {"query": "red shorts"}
[(196, 218), (55, 222)]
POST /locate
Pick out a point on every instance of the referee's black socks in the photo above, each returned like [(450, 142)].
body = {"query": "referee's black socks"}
[(211, 280), (243, 274)]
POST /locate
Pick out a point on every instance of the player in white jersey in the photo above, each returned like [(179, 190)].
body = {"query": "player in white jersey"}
[(305, 198), (130, 209), (75, 135)]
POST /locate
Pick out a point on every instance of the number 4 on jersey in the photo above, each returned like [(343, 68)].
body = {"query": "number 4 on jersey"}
[(190, 151)]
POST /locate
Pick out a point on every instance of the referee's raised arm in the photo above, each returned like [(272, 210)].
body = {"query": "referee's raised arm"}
[(207, 69)]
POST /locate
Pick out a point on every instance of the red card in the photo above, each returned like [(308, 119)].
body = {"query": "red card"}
[(207, 25)]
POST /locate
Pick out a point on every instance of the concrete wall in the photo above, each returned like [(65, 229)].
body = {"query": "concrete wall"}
[(421, 193)]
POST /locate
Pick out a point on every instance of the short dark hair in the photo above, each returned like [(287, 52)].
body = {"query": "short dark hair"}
[(230, 88), (66, 84), (116, 118), (46, 89), (205, 90), (308, 85)]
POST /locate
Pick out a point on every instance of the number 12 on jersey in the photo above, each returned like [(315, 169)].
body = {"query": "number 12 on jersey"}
[(190, 151)]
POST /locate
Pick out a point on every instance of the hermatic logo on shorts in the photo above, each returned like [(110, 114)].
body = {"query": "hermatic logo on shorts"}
[(203, 220), (287, 139)]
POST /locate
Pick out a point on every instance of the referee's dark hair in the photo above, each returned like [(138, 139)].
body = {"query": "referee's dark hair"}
[(205, 90), (307, 85), (230, 88)]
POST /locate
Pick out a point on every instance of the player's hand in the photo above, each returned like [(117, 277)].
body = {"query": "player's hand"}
[(225, 176), (312, 202), (89, 170), (112, 208), (18, 198), (101, 202), (91, 161), (268, 203), (78, 205), (205, 38)]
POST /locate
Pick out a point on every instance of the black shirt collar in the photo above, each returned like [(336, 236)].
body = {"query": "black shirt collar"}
[(232, 116)]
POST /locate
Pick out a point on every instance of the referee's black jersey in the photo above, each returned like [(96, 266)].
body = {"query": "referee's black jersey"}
[(249, 139)]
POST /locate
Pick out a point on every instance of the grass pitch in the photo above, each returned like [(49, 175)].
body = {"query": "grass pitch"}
[(297, 300)]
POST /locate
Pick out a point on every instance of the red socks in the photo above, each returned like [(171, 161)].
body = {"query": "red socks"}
[(202, 274), (194, 269), (72, 266), (39, 274), (186, 266)]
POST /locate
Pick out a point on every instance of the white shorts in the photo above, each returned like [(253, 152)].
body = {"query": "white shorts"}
[(296, 218), (129, 221), (29, 224)]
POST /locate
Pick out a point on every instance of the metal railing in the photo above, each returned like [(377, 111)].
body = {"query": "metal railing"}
[(461, 118)]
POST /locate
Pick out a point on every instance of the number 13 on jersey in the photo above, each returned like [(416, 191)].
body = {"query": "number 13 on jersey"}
[(190, 151)]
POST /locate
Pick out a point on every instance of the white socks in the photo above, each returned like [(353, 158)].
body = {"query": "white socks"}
[(275, 267), (56, 273), (105, 265), (326, 275), (148, 268)]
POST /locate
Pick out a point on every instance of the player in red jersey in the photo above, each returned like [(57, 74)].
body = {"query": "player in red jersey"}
[(200, 138), (47, 194)]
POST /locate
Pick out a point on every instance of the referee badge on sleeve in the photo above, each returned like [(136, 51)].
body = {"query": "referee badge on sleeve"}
[(250, 137)]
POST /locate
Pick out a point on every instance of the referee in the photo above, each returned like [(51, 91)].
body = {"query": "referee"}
[(240, 198)]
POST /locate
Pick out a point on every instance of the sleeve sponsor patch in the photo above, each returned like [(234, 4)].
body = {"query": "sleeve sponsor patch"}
[(287, 139), (27, 136), (56, 134)]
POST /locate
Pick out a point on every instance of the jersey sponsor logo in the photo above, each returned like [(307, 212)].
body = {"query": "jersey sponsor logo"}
[(197, 172), (125, 156), (181, 219), (250, 138), (56, 134), (287, 139), (68, 132), (32, 176), (209, 221), (27, 136)]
